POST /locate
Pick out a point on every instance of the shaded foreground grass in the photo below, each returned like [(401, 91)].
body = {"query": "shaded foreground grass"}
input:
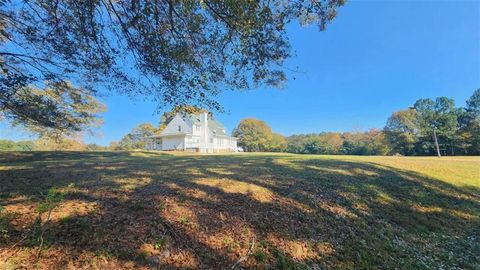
[(143, 210)]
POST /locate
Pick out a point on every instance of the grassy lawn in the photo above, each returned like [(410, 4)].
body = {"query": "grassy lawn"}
[(136, 210)]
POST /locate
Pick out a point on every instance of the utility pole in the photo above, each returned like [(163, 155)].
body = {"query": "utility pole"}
[(436, 141)]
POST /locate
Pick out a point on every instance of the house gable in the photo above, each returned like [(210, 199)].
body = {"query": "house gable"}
[(177, 126)]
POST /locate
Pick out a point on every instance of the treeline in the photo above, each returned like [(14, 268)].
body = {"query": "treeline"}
[(457, 129), (134, 140), (8, 145), (50, 144), (372, 142), (256, 136), (407, 132)]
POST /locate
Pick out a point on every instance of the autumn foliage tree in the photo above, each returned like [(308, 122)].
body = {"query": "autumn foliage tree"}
[(278, 143), (56, 110), (256, 135), (402, 131), (411, 131), (173, 52), (253, 135), (322, 143), (47, 143), (136, 139)]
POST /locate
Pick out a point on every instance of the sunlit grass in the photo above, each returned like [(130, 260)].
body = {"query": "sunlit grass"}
[(459, 171), (231, 186)]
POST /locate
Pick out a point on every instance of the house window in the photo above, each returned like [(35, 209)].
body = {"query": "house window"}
[(211, 140), (179, 128), (197, 128)]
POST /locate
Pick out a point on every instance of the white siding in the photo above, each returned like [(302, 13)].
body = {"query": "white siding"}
[(196, 130), (192, 142), (173, 142), (233, 144), (224, 143)]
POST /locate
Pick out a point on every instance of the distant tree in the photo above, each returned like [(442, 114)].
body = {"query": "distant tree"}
[(322, 143), (175, 52), (331, 142), (402, 130), (136, 139), (278, 143), (295, 143), (143, 130), (253, 135), (95, 147), (313, 145), (355, 143), (113, 146), (473, 105), (372, 142), (377, 142), (469, 122), (7, 145), (439, 115), (25, 146), (47, 143), (128, 143)]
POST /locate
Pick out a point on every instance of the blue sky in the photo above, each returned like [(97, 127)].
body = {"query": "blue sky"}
[(375, 58)]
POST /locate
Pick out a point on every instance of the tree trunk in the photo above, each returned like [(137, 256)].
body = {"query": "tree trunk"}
[(436, 142)]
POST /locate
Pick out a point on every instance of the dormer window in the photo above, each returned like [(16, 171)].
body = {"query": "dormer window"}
[(179, 128)]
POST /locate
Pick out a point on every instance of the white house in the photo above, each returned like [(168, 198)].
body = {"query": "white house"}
[(193, 132)]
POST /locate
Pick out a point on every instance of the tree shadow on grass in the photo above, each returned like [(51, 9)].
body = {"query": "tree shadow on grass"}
[(204, 211)]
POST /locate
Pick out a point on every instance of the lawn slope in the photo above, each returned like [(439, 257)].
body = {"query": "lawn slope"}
[(137, 210)]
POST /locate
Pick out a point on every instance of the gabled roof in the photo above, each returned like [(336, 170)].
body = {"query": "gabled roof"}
[(216, 127), (191, 118), (213, 125)]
